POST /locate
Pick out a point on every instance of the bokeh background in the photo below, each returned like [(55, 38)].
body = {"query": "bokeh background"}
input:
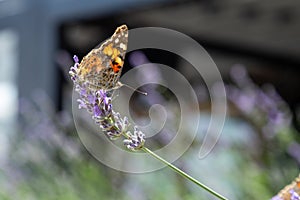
[(255, 45)]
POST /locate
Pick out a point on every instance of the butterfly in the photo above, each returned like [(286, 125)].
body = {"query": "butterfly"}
[(101, 67)]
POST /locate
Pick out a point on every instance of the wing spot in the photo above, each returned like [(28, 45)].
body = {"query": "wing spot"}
[(123, 46)]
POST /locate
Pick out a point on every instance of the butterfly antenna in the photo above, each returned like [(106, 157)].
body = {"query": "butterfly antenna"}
[(139, 91)]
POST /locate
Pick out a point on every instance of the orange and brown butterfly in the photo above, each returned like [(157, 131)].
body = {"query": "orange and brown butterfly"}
[(289, 192), (101, 67)]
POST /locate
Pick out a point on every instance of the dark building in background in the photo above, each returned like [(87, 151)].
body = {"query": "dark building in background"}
[(261, 35)]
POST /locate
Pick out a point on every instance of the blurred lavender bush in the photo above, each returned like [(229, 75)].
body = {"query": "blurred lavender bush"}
[(278, 148), (46, 159), (257, 155)]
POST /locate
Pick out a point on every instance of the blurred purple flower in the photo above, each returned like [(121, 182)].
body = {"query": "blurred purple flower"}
[(240, 76), (254, 101), (294, 151)]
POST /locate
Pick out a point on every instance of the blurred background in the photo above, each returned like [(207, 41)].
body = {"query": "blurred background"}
[(255, 45)]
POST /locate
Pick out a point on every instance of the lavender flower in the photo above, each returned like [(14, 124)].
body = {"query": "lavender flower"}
[(135, 140), (294, 195), (99, 104), (254, 101), (276, 198)]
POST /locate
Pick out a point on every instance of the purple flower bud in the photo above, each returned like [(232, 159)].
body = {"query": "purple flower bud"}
[(91, 98), (97, 111), (82, 92), (101, 94), (76, 65), (81, 104), (75, 58)]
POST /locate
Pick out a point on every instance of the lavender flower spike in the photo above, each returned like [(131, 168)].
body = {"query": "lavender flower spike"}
[(99, 104), (136, 140)]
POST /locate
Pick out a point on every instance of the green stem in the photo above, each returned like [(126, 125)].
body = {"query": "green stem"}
[(182, 173)]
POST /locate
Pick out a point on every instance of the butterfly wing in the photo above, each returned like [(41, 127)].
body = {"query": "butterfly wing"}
[(102, 67)]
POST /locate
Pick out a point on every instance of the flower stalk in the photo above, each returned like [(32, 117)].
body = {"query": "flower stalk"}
[(182, 173)]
